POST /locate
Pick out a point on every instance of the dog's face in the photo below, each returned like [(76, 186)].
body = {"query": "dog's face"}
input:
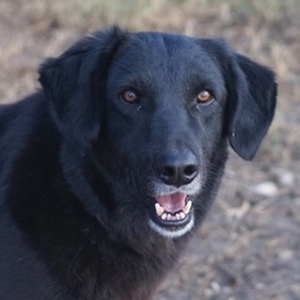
[(164, 107), (156, 110)]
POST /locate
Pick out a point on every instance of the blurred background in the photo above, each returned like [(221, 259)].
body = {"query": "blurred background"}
[(249, 246)]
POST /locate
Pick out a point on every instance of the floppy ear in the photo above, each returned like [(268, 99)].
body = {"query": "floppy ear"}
[(73, 82), (252, 100)]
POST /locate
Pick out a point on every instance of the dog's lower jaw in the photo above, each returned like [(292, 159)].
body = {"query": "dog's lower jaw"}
[(172, 233)]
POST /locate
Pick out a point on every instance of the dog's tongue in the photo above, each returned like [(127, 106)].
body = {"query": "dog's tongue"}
[(172, 203)]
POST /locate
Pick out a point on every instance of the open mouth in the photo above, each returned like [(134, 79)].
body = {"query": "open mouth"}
[(173, 211)]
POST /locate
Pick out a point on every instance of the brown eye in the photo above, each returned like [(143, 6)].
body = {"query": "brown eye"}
[(129, 96), (204, 96)]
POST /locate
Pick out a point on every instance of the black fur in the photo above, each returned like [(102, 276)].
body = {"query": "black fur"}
[(78, 163)]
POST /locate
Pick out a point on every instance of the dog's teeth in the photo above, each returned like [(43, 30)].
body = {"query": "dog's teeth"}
[(159, 209), (164, 216), (187, 208), (169, 217), (173, 218)]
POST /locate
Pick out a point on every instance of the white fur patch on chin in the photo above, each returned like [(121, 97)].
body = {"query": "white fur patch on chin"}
[(172, 234)]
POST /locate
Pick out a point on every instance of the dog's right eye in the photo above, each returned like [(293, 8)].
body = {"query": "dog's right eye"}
[(204, 97), (129, 96)]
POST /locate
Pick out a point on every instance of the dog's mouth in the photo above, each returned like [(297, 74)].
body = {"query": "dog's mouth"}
[(172, 214), (172, 209)]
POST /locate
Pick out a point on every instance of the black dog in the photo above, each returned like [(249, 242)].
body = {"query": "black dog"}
[(107, 170)]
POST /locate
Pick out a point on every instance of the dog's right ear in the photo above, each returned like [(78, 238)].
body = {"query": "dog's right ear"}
[(73, 82)]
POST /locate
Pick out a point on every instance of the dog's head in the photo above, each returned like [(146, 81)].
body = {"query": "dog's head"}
[(157, 110)]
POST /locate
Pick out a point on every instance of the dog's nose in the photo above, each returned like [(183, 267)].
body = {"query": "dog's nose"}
[(178, 168)]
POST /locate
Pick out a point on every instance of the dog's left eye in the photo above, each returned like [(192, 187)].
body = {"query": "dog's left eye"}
[(129, 96), (204, 96)]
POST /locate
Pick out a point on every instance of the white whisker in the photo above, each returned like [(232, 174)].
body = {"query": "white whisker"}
[(172, 234)]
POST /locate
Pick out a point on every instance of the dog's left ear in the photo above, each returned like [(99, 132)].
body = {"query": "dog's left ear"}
[(72, 85), (252, 100)]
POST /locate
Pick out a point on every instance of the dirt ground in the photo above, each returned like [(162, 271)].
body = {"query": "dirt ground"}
[(249, 246)]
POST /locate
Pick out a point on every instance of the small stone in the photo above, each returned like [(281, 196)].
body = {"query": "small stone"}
[(267, 189), (285, 178), (259, 286), (286, 255), (215, 286)]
